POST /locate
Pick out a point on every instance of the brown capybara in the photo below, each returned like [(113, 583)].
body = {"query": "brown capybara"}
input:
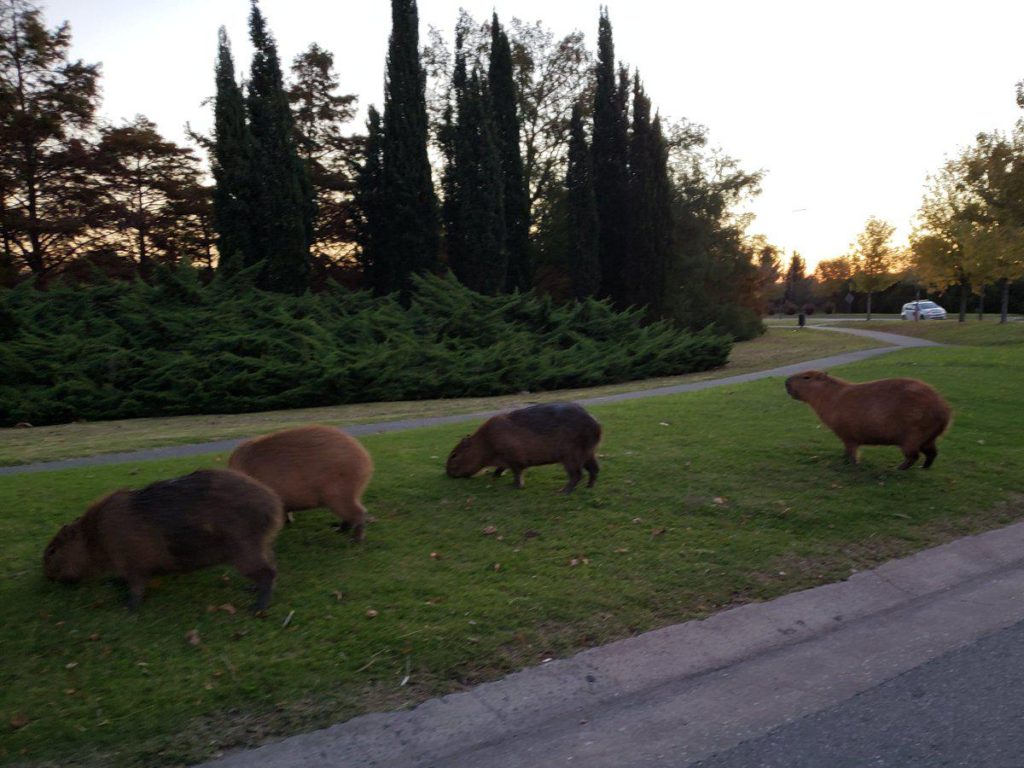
[(903, 412), (556, 433), (210, 517), (309, 467)]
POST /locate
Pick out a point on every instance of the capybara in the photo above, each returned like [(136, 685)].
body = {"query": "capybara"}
[(557, 433), (210, 517), (903, 412), (314, 466)]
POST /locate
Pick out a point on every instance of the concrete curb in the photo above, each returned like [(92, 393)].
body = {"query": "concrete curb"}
[(682, 693)]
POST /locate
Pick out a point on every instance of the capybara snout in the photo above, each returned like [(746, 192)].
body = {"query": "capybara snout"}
[(556, 433), (904, 412), (210, 517), (66, 557), (310, 467)]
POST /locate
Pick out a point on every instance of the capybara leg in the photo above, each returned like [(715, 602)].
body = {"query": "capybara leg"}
[(517, 477), (262, 576), (910, 459), (592, 469), (136, 590), (852, 451), (575, 475), (499, 471), (930, 452), (351, 514)]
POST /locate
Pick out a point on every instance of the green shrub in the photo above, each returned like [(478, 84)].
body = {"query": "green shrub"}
[(124, 350)]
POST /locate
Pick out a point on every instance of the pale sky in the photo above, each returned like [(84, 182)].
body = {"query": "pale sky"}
[(846, 106)]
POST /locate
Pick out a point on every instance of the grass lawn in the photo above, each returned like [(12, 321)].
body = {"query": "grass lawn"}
[(21, 446), (705, 500), (973, 332)]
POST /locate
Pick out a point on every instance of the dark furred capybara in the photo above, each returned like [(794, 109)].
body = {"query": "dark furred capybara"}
[(210, 517), (557, 433), (903, 412), (314, 466)]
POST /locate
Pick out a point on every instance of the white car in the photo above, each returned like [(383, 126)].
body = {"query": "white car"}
[(925, 310)]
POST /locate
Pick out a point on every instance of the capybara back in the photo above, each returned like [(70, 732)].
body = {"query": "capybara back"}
[(310, 467), (555, 433), (899, 411), (209, 517)]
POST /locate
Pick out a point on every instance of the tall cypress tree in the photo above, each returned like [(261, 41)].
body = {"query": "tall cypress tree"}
[(408, 205), (282, 220), (583, 257), (473, 184), (231, 157), (611, 173), (506, 136), (369, 221), (650, 210)]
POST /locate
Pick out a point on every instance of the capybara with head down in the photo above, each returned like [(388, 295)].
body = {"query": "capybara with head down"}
[(210, 517), (556, 433), (314, 466), (903, 412)]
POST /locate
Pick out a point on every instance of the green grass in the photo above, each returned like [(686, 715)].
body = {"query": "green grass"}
[(972, 332), (21, 446), (676, 528)]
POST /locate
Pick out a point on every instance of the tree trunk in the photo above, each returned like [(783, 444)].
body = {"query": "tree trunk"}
[(963, 303), (981, 303), (1004, 304), (869, 305)]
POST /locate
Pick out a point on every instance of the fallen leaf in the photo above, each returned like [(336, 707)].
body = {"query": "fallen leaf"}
[(490, 530), (372, 614), (287, 619), (531, 534), (621, 550), (20, 720), (496, 567), (663, 423), (718, 500), (337, 594), (94, 636), (658, 532), (637, 520), (435, 555), (71, 665), (70, 691), (192, 637), (228, 608)]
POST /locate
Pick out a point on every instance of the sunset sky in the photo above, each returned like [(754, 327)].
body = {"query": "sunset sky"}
[(847, 107)]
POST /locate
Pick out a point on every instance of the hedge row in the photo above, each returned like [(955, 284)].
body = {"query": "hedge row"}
[(175, 346)]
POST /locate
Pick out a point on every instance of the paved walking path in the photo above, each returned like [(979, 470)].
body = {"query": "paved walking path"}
[(726, 689), (199, 449)]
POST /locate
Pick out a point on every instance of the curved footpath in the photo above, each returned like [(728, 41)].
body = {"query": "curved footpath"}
[(197, 449)]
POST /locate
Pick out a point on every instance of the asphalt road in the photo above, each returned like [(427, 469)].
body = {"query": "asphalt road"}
[(963, 709)]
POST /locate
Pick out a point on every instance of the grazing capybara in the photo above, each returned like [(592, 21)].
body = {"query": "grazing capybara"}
[(314, 466), (557, 433), (210, 517), (903, 412)]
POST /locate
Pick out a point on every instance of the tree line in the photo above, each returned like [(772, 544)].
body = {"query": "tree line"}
[(968, 240), (516, 160)]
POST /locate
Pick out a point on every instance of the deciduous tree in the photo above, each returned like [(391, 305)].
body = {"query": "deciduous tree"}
[(47, 106), (876, 260)]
